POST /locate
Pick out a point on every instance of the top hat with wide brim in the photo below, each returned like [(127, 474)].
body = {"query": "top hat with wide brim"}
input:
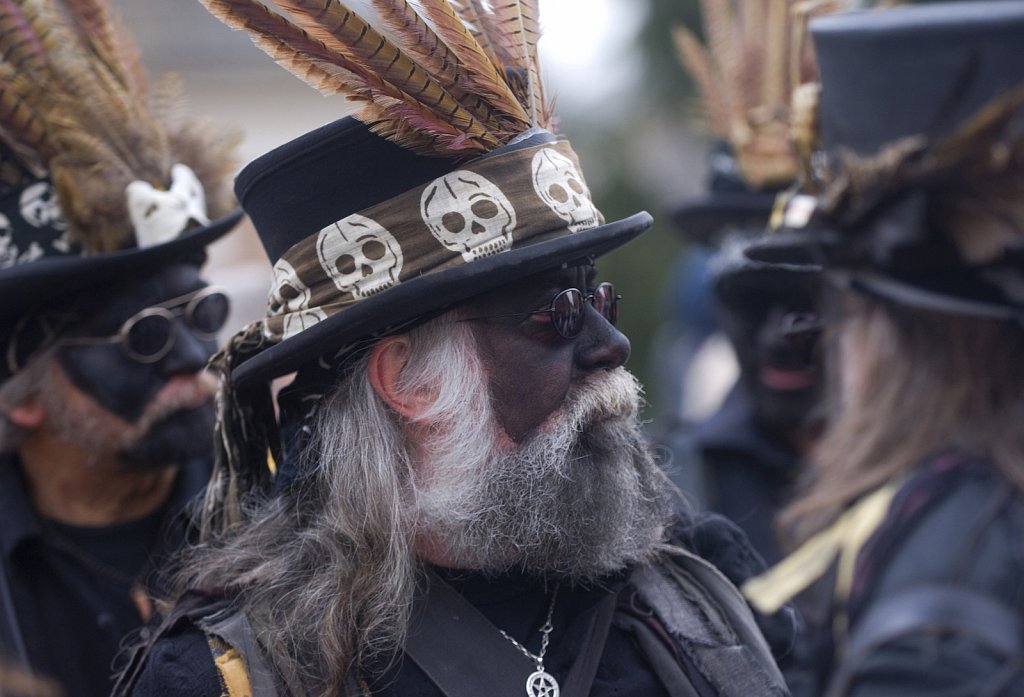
[(342, 199), (55, 281), (729, 205), (924, 72)]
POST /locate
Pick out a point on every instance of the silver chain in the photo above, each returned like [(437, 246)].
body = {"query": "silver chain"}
[(545, 635)]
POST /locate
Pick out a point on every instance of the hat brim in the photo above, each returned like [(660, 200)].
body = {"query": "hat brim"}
[(46, 282), (703, 220), (433, 292), (794, 248)]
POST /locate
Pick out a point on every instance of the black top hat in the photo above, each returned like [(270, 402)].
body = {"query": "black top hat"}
[(745, 74), (916, 105), (730, 204), (99, 183), (40, 268), (365, 205)]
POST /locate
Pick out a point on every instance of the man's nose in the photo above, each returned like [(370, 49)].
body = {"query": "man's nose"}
[(189, 353), (600, 346)]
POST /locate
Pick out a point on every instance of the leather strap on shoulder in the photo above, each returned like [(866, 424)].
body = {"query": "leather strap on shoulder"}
[(459, 649), (238, 655), (466, 656)]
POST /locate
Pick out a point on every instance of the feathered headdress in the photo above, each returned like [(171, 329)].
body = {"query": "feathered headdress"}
[(75, 108), (442, 78), (755, 57)]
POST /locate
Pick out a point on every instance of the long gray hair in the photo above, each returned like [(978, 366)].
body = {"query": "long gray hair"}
[(326, 570)]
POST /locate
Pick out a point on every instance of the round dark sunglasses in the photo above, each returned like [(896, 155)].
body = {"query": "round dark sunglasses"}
[(567, 307), (148, 335)]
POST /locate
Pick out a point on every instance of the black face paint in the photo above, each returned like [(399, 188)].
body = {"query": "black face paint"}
[(780, 369), (184, 435), (530, 368), (107, 374)]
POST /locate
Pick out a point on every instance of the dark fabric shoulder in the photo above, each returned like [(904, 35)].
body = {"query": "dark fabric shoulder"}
[(956, 522), (180, 665), (949, 554), (726, 546)]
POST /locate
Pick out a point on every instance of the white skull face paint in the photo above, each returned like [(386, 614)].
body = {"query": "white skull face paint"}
[(39, 206), (468, 214), (290, 297), (559, 184), (360, 256), (160, 216)]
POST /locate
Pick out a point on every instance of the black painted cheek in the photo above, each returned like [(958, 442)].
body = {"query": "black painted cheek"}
[(115, 381)]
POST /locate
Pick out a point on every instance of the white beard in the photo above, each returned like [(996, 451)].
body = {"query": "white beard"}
[(581, 498)]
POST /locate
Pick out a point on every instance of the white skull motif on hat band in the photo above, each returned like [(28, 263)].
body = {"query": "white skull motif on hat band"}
[(468, 214), (39, 207), (559, 184), (360, 256), (289, 298), (10, 255)]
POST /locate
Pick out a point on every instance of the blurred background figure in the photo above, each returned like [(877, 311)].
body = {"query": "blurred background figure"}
[(108, 199), (913, 523), (744, 459)]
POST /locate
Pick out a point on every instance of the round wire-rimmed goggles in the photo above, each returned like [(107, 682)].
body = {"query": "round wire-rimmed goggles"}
[(148, 335), (567, 309)]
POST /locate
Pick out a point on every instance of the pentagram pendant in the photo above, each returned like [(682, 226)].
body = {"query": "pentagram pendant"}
[(541, 684)]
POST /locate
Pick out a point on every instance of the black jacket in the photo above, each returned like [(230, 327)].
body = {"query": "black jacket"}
[(937, 602), (65, 603), (730, 465)]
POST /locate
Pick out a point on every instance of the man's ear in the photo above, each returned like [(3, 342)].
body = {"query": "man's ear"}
[(387, 360), (28, 415)]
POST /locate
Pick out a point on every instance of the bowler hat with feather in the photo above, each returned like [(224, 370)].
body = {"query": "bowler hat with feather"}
[(744, 86)]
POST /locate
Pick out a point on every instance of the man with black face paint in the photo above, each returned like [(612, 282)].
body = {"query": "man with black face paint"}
[(462, 501), (744, 459), (106, 416)]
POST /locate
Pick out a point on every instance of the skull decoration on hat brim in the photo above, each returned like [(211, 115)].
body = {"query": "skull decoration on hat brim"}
[(378, 280), (918, 196)]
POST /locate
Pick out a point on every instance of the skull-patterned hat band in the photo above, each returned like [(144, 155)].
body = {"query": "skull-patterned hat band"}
[(368, 236)]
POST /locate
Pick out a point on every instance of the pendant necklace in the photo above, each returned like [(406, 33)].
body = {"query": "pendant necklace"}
[(540, 683)]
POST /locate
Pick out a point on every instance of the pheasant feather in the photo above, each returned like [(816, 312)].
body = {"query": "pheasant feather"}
[(429, 74), (73, 107), (753, 60)]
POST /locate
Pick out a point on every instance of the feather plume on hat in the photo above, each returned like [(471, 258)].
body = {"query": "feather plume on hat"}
[(755, 57), (445, 78), (974, 178), (75, 106)]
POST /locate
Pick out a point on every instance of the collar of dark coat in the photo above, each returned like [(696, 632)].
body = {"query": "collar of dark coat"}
[(20, 523), (734, 428)]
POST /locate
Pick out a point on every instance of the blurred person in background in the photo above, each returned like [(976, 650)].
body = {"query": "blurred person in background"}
[(462, 500), (913, 523), (744, 459), (106, 418)]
